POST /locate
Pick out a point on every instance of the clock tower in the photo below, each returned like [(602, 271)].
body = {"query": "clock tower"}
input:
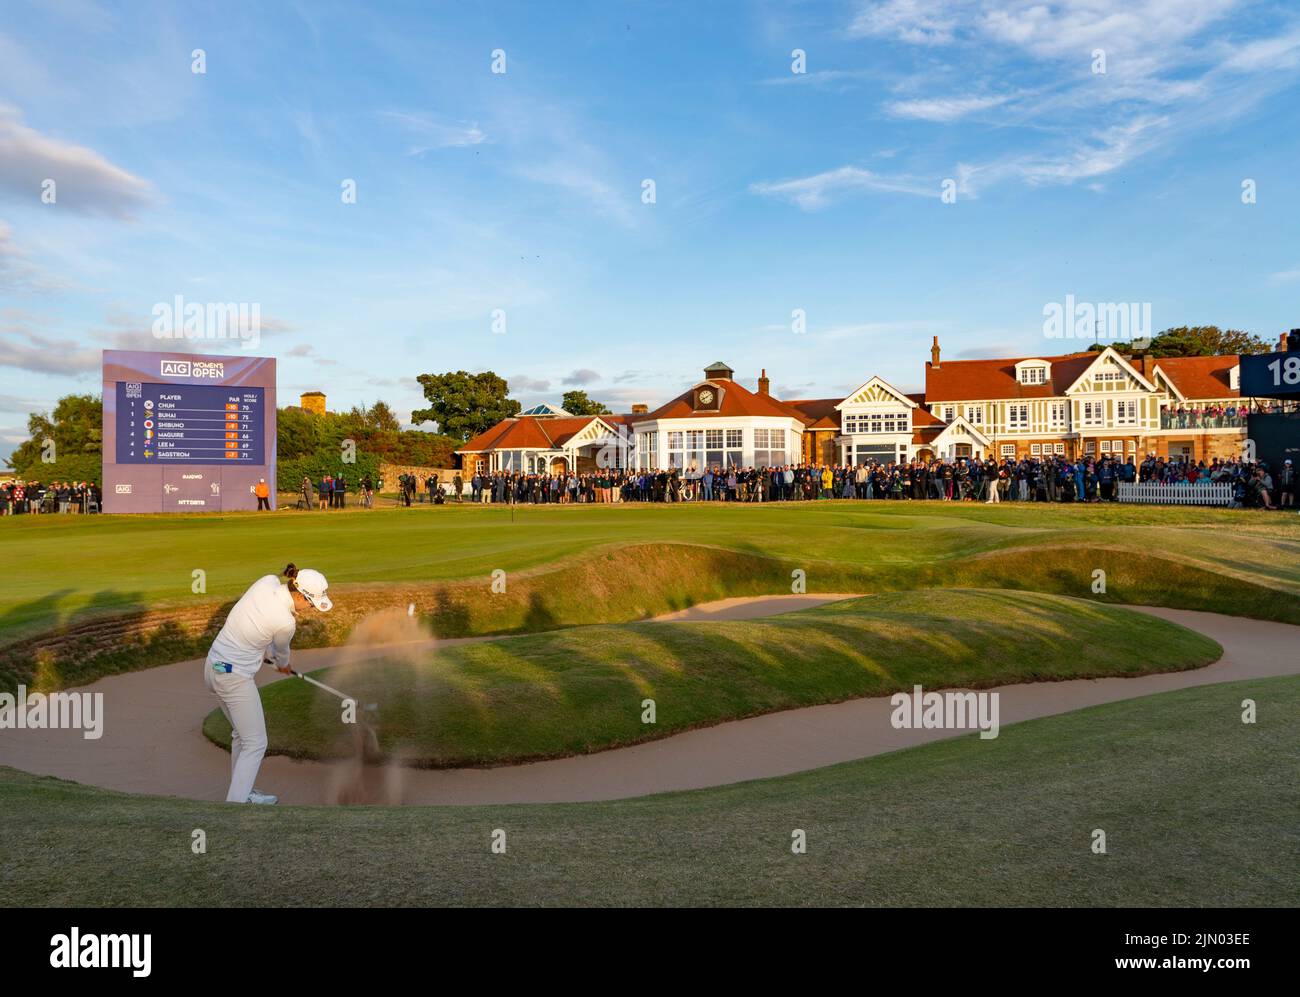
[(706, 397)]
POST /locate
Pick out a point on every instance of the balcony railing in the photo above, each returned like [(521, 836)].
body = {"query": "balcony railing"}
[(1200, 419)]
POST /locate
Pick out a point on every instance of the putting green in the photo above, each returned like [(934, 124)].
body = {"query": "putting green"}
[(1198, 808), (585, 689)]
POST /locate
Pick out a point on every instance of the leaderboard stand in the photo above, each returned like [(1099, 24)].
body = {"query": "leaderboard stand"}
[(187, 433)]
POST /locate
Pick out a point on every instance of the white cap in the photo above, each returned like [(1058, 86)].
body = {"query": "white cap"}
[(312, 584)]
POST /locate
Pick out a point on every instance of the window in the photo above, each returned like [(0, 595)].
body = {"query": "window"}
[(1105, 446), (1132, 445), (1094, 413), (1126, 413), (649, 450), (1058, 414), (1090, 446), (975, 415), (674, 441), (734, 439), (1018, 416), (1035, 449), (850, 424), (1060, 448), (713, 439), (769, 447), (1033, 375), (1008, 450), (948, 413), (1108, 376)]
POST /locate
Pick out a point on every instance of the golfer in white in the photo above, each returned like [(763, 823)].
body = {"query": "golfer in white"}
[(258, 629)]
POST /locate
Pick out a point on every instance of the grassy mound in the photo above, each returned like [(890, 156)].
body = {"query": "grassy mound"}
[(1198, 808), (583, 690)]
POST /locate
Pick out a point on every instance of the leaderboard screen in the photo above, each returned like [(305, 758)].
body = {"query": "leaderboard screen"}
[(187, 432), (189, 423)]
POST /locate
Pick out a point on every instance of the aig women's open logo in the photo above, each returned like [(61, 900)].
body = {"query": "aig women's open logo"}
[(210, 370), (179, 319)]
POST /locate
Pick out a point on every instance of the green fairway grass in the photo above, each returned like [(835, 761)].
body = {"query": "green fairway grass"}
[(582, 690), (1198, 810), (87, 596)]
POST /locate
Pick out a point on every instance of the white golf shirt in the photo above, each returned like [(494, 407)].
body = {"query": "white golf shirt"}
[(260, 626)]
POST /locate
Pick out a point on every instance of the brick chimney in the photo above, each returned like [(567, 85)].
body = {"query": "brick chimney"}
[(763, 383), (934, 354), (1281, 342), (640, 409)]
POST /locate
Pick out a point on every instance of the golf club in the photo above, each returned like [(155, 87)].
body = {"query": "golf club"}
[(321, 685)]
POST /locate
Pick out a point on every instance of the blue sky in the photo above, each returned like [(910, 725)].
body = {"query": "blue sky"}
[(522, 191)]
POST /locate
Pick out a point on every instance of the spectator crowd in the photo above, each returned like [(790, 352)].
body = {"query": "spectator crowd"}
[(34, 498), (1032, 479)]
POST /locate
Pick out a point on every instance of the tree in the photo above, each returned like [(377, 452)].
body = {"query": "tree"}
[(465, 404), (577, 403), (1195, 341), (380, 416), (75, 431)]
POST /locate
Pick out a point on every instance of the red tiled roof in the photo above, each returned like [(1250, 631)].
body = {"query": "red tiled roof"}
[(817, 413), (923, 417), (1200, 377), (530, 432), (972, 380), (736, 400)]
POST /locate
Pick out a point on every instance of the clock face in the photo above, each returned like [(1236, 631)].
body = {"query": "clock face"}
[(706, 397)]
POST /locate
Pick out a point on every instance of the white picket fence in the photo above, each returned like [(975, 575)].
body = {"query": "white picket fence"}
[(1158, 493)]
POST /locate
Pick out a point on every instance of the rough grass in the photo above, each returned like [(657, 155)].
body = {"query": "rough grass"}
[(1198, 809), (582, 690)]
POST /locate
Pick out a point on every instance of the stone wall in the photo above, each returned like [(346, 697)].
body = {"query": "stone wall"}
[(390, 472)]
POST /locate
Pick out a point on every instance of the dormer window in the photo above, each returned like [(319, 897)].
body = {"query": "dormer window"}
[(1031, 372)]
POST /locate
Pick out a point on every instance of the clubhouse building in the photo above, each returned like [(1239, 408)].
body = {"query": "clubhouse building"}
[(1076, 405)]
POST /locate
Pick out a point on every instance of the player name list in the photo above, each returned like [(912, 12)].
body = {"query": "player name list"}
[(189, 424)]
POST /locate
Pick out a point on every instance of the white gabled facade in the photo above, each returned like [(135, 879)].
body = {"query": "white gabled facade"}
[(875, 424)]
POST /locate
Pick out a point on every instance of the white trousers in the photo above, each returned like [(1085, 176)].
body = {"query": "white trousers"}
[(242, 705)]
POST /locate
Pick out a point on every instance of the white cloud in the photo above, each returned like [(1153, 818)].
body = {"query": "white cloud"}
[(18, 274), (1285, 276), (918, 22), (815, 192), (1173, 69), (521, 382), (429, 132), (942, 109), (568, 175), (23, 348), (583, 376), (86, 182)]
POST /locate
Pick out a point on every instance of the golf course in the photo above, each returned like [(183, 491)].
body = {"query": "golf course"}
[(496, 640)]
